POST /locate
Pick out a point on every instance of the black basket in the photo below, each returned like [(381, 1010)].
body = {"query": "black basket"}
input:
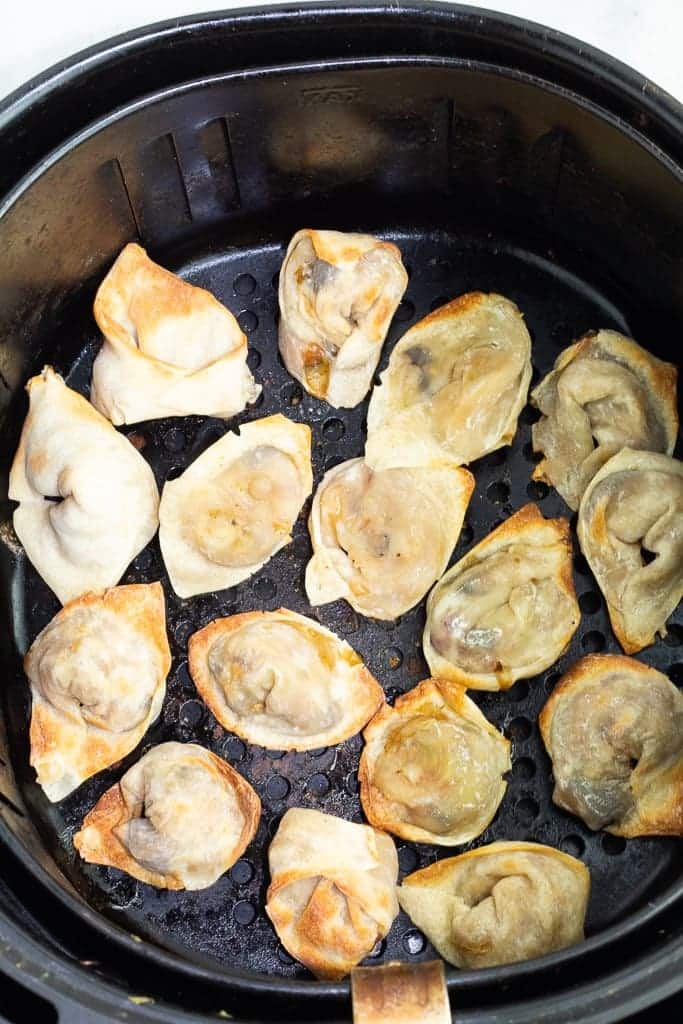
[(500, 156)]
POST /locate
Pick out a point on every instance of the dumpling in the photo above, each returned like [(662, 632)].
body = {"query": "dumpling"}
[(178, 819), (281, 680), (170, 349), (338, 293), (630, 529), (332, 894), (454, 387), (380, 539), (613, 728), (432, 767), (98, 679), (508, 609), (499, 904), (88, 501), (235, 506), (604, 393)]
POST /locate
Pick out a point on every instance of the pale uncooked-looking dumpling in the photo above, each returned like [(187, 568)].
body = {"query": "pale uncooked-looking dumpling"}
[(235, 505), (432, 767), (631, 511), (380, 539), (338, 292), (508, 609), (454, 388), (98, 679), (332, 893), (499, 904), (604, 393), (281, 680), (88, 501), (178, 819), (170, 349), (613, 728)]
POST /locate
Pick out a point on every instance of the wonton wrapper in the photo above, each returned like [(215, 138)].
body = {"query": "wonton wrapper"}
[(281, 680), (604, 393), (170, 349), (235, 505), (454, 388), (98, 679), (332, 894), (613, 728), (432, 767), (380, 539), (109, 506), (338, 293), (635, 504), (508, 609), (499, 904), (178, 819)]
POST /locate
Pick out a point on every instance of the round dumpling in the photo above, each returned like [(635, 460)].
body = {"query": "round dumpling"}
[(630, 529), (178, 819), (499, 904), (281, 680), (98, 679), (613, 728), (381, 539), (170, 349), (604, 393), (508, 609), (454, 388), (432, 768), (235, 506), (338, 292)]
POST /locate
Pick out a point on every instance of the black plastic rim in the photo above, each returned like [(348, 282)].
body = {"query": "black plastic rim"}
[(607, 84)]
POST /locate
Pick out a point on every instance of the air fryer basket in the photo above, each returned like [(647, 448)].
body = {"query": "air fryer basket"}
[(499, 156)]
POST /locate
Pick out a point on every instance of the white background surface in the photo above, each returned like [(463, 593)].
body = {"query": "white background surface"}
[(647, 34)]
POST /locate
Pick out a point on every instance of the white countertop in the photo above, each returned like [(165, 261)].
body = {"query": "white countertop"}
[(647, 34)]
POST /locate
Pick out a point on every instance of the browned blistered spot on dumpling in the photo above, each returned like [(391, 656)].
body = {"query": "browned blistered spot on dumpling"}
[(604, 393), (432, 767), (337, 293), (507, 609), (614, 730), (108, 507), (380, 539), (630, 528), (281, 680), (97, 673), (332, 892), (499, 904), (170, 348), (178, 819), (454, 388)]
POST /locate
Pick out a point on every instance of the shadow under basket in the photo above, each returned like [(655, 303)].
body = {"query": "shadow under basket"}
[(499, 156)]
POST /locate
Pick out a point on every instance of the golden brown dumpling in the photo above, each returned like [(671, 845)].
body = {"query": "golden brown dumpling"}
[(631, 511), (499, 904), (234, 507), (380, 539), (338, 292), (432, 767), (332, 893), (170, 349), (98, 679), (508, 609), (454, 387), (604, 393), (281, 680), (88, 501), (614, 730), (178, 819)]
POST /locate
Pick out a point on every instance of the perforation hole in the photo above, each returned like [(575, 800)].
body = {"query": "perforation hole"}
[(573, 845), (291, 394), (413, 942), (265, 589), (529, 415), (593, 642), (175, 440), (277, 787), (523, 768), (519, 729), (551, 681), (613, 845), (245, 284), (589, 603), (527, 810), (393, 658), (319, 784), (174, 472), (244, 913), (405, 311), (351, 784), (138, 440), (191, 714), (144, 560), (247, 320), (498, 493), (234, 749), (253, 358), (333, 429), (242, 872), (408, 859), (537, 490)]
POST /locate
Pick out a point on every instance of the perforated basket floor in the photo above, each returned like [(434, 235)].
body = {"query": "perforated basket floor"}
[(227, 921)]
